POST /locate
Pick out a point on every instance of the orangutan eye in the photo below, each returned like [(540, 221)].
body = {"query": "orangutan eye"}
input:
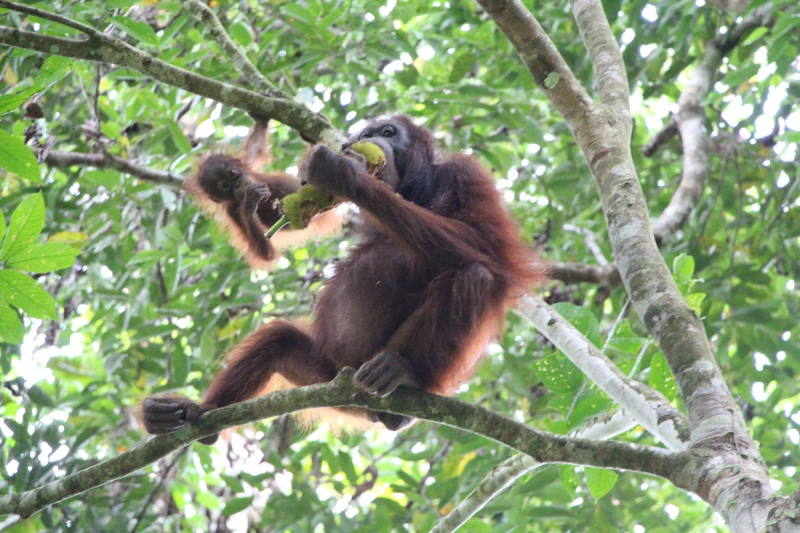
[(388, 131)]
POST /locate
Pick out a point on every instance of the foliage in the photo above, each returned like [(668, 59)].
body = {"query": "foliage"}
[(156, 294)]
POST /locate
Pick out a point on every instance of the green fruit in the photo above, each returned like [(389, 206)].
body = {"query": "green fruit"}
[(299, 208), (372, 153)]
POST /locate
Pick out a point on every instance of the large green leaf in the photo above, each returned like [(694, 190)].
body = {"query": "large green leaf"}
[(47, 257), (17, 158), (558, 373), (24, 293), (26, 224), (600, 481), (11, 329), (138, 30)]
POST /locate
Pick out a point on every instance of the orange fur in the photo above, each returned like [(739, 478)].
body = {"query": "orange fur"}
[(415, 303), (339, 421), (472, 353)]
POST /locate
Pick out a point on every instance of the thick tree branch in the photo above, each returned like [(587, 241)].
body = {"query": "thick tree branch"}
[(59, 159), (609, 69), (691, 123), (542, 446), (649, 408), (542, 58), (603, 133), (717, 427), (109, 50), (678, 331), (233, 51)]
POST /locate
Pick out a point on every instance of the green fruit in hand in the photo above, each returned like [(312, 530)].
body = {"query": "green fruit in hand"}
[(373, 154), (299, 208)]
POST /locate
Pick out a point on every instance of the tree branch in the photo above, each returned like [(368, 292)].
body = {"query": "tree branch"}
[(109, 50), (542, 446), (233, 51), (59, 159), (54, 17), (540, 55), (581, 273), (649, 408), (661, 138), (609, 68), (691, 123), (500, 478)]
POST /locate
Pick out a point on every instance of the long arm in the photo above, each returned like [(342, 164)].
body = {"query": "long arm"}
[(434, 237)]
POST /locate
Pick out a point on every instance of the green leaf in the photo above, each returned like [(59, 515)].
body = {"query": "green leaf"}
[(241, 34), (569, 479), (180, 366), (138, 30), (24, 293), (2, 229), (297, 11), (11, 329), (121, 4), (47, 257), (407, 76), (10, 102), (40, 397), (181, 141), (74, 239), (26, 224), (208, 500), (583, 320), (682, 271), (17, 158), (755, 35), (589, 405), (695, 301), (347, 467), (233, 483), (552, 80), (600, 481), (462, 65), (661, 378), (558, 373), (53, 69), (237, 505)]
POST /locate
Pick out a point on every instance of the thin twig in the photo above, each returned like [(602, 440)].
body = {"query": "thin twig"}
[(157, 488), (59, 159), (47, 15), (591, 242), (661, 138)]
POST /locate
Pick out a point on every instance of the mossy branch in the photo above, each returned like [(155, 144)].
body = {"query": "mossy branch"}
[(105, 49), (542, 446)]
